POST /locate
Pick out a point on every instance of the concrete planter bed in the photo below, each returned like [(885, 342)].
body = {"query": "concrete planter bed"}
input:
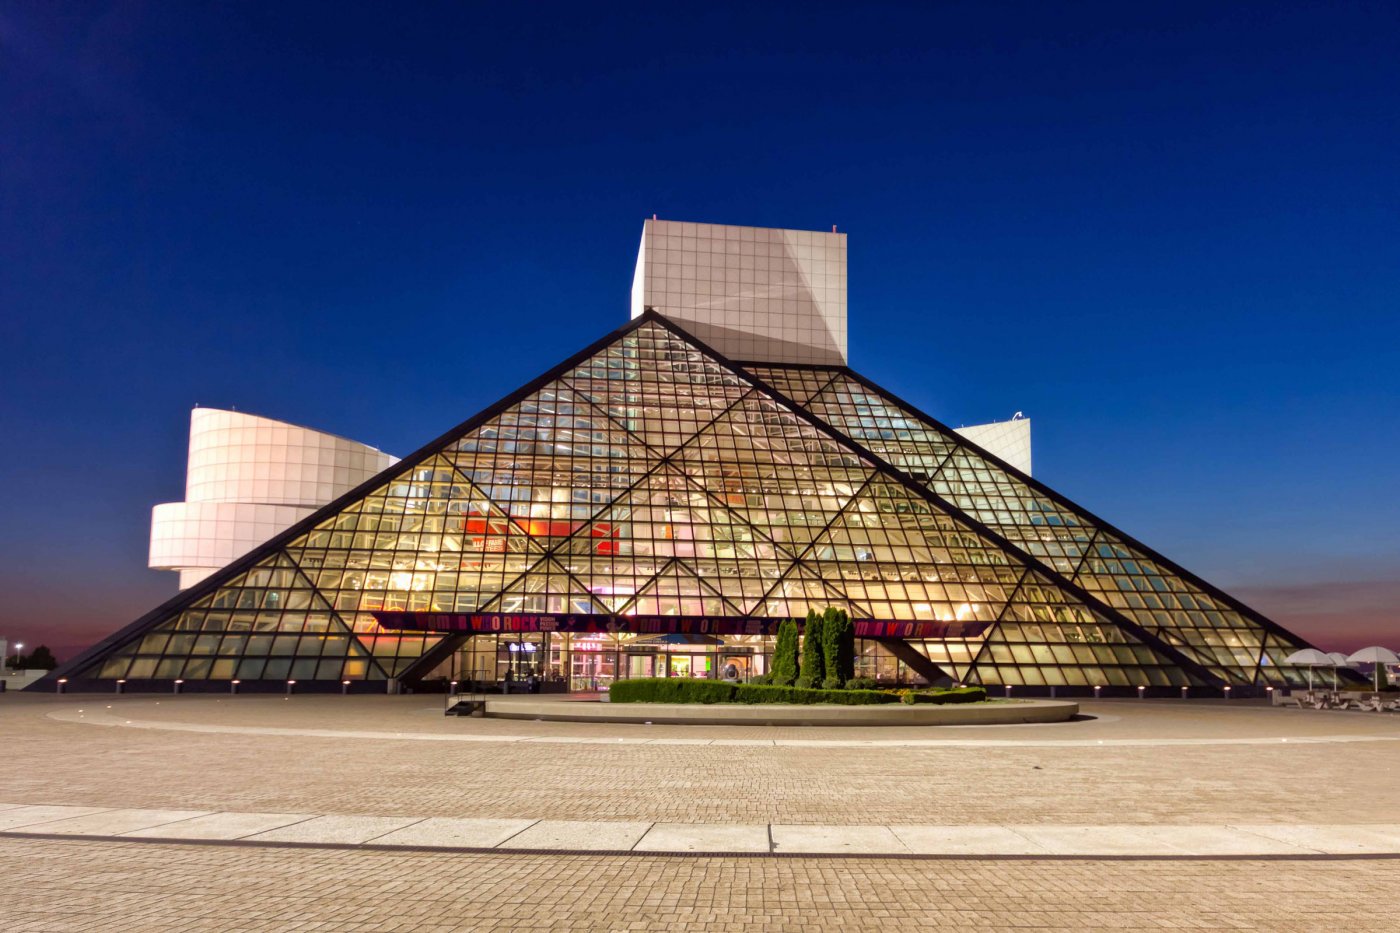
[(986, 713)]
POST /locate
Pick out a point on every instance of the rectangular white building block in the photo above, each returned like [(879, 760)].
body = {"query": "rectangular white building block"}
[(755, 294)]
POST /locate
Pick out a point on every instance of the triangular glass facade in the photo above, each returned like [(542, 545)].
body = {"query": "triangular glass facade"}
[(650, 479), (1223, 636)]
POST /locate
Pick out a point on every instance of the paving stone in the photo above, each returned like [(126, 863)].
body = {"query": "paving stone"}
[(446, 831), (836, 840), (221, 826), (1137, 839), (966, 840), (579, 835), (749, 779), (704, 837), (335, 829), (28, 819), (1212, 777), (116, 822), (82, 884), (1335, 840), (1218, 840)]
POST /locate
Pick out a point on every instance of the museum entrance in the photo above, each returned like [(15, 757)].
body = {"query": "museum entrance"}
[(560, 662)]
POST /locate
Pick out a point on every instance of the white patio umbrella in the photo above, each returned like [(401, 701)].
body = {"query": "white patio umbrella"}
[(1374, 655), (1338, 659), (1311, 657)]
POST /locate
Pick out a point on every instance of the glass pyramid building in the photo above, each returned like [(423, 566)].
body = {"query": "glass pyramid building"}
[(652, 506)]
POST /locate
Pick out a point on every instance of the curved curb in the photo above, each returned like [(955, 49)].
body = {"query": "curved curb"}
[(83, 715)]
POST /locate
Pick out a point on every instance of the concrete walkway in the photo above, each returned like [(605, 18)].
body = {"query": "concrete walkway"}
[(614, 837)]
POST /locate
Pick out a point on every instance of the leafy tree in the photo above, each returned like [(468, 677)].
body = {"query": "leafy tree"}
[(785, 654), (41, 659), (812, 649), (838, 648)]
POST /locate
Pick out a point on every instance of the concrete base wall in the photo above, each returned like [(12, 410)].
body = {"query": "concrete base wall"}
[(894, 714)]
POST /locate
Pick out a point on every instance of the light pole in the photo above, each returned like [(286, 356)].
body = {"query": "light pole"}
[(18, 647)]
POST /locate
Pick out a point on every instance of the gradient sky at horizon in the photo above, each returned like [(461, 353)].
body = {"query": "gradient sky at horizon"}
[(1168, 233)]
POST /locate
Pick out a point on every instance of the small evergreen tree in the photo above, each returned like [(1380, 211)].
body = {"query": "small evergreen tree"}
[(847, 665), (785, 654), (838, 648), (812, 651)]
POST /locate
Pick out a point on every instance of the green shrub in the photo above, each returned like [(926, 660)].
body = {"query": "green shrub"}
[(831, 649), (949, 695), (963, 694), (861, 683), (812, 667), (671, 690), (785, 654)]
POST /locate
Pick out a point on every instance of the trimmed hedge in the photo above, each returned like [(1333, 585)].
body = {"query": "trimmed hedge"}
[(685, 690), (672, 690), (751, 693)]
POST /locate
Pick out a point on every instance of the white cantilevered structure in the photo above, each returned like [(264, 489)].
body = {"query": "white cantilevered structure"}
[(247, 479)]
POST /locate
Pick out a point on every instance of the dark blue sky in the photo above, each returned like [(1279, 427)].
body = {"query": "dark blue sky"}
[(1168, 233)]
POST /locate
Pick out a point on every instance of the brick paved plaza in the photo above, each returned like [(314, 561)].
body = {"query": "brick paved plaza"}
[(396, 761)]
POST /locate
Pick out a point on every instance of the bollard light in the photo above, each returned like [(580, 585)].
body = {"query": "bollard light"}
[(1098, 690), (1008, 691), (290, 685), (62, 684), (1184, 692), (1142, 692), (177, 685), (233, 686), (345, 686), (121, 686), (453, 686), (1227, 691)]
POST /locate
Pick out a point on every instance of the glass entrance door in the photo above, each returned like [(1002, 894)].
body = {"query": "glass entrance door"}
[(591, 670)]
